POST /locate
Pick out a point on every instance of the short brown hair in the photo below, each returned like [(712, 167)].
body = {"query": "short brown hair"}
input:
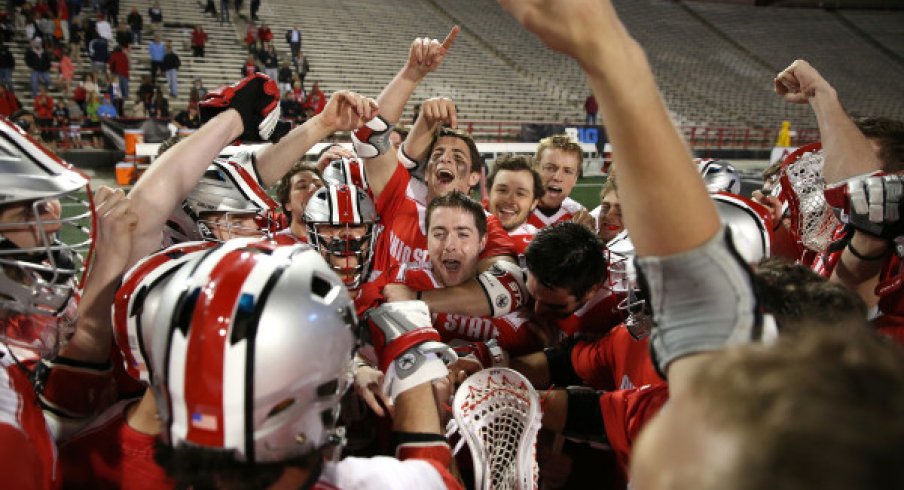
[(459, 200), (477, 162), (284, 186), (824, 409), (517, 164), (561, 142), (889, 133)]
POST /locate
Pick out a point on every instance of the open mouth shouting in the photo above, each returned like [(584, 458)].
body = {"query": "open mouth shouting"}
[(445, 176)]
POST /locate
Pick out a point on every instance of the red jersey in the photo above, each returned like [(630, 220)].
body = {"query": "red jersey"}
[(522, 235), (596, 317), (615, 362), (626, 413), (26, 447), (566, 211), (286, 237), (401, 207), (110, 454)]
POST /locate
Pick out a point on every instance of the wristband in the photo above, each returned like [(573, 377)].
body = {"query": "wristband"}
[(866, 258)]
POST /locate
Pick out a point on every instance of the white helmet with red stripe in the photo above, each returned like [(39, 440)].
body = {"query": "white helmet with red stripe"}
[(136, 303), (347, 171), (46, 216), (341, 222), (252, 351), (226, 188)]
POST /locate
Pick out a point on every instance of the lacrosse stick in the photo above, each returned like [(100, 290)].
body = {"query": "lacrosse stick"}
[(497, 412), (802, 185)]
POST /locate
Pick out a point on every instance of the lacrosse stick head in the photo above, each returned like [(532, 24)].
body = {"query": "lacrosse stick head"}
[(497, 412), (813, 223)]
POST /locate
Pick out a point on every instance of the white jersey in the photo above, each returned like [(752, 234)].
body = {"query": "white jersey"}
[(380, 472), (565, 212)]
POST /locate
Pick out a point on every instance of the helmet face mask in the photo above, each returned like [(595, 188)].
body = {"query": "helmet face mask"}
[(45, 244), (219, 207), (341, 223), (719, 175)]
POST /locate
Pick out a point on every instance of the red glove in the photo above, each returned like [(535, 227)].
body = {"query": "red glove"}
[(255, 98)]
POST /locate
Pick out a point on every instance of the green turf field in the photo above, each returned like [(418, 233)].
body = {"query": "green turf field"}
[(587, 191)]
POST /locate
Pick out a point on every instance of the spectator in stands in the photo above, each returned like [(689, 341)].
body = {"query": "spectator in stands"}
[(99, 54), (316, 100), (119, 66), (39, 61), (284, 77), (75, 40), (8, 102), (210, 8), (146, 89), (291, 109), (198, 85), (43, 108), (238, 6), (302, 66), (270, 60), (67, 71), (198, 41), (46, 26), (591, 108), (7, 29), (106, 109), (157, 51), (61, 120), (250, 67), (7, 65), (115, 91), (255, 5), (155, 14), (103, 28), (188, 118), (76, 115), (293, 37), (298, 92), (136, 23), (251, 37), (160, 108), (224, 11), (111, 9), (124, 36), (264, 35), (171, 64)]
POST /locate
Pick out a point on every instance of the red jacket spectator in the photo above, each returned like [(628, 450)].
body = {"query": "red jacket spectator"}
[(8, 102), (44, 106), (316, 100), (198, 37), (265, 34), (119, 63)]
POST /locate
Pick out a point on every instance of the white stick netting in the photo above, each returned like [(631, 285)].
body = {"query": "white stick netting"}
[(816, 222), (498, 413)]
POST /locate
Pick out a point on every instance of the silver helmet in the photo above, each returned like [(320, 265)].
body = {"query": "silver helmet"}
[(347, 171), (226, 187), (252, 351), (340, 206), (46, 215), (719, 175)]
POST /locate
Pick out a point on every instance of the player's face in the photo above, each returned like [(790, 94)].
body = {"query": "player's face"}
[(303, 185), (610, 221), (512, 197), (552, 303), (225, 226), (449, 168), (454, 245), (344, 260), (19, 222), (680, 450), (559, 172)]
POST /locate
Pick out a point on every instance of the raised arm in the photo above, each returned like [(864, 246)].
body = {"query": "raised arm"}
[(424, 56), (847, 151), (345, 111)]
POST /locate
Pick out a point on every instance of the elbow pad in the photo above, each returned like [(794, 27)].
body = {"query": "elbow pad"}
[(702, 300), (372, 139), (414, 167), (503, 284)]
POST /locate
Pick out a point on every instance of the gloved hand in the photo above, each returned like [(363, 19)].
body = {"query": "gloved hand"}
[(871, 202), (255, 98), (408, 348)]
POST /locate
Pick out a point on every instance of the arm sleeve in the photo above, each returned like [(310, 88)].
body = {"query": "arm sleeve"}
[(626, 413), (589, 359), (498, 240)]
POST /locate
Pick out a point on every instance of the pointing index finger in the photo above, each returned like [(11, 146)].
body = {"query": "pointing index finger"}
[(447, 42)]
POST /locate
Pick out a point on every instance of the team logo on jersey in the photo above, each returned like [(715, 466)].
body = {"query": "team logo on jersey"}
[(406, 362)]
